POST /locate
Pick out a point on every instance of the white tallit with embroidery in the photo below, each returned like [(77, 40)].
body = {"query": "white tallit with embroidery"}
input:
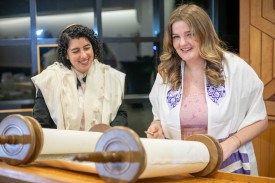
[(103, 93), (241, 106)]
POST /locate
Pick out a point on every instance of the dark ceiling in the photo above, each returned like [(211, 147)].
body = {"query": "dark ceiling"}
[(15, 8)]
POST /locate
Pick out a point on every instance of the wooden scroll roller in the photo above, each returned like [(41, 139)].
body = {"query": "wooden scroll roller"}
[(21, 139), (119, 154)]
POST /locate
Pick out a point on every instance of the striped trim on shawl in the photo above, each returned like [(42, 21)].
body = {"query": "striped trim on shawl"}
[(238, 162)]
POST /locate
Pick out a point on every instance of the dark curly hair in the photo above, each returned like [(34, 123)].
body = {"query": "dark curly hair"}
[(75, 32)]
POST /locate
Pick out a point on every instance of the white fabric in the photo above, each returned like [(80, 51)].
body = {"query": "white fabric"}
[(242, 105), (103, 93), (81, 94)]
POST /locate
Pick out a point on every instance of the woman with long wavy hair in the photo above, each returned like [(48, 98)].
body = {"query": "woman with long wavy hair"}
[(201, 88)]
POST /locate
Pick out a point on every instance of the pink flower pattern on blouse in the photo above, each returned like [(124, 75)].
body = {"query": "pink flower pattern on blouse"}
[(194, 110), (193, 115)]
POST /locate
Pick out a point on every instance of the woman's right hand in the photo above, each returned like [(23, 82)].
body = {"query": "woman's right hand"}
[(155, 130)]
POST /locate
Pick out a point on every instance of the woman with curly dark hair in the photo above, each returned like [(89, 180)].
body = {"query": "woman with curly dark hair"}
[(78, 91), (201, 88)]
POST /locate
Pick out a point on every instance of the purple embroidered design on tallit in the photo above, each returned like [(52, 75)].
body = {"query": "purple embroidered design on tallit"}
[(173, 98), (215, 93)]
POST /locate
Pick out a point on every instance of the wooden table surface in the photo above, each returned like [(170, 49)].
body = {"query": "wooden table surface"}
[(16, 174)]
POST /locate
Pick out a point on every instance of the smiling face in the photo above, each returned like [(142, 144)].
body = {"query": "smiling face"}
[(184, 42), (80, 53)]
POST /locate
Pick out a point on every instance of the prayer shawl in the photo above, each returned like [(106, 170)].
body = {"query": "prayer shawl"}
[(103, 95), (230, 108)]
